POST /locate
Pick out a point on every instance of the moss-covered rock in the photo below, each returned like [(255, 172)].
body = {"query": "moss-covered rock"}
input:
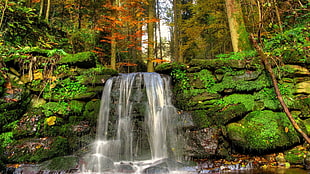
[(91, 111), (56, 108), (76, 107), (202, 79), (213, 64), (261, 131), (82, 59), (66, 89), (296, 155), (201, 119), (37, 149), (29, 124), (242, 83), (229, 113), (166, 68)]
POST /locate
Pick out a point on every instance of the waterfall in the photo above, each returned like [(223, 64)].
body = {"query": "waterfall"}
[(136, 125)]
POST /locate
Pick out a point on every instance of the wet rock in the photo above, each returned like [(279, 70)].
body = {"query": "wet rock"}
[(97, 163), (125, 168), (248, 75)]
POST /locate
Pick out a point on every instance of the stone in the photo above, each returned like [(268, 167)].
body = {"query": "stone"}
[(297, 69), (262, 131), (37, 102), (203, 142), (303, 88)]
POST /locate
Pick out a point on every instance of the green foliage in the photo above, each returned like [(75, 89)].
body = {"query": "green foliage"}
[(291, 45), (6, 138), (79, 57), (180, 79), (55, 108), (246, 99), (296, 155), (62, 69), (237, 55), (76, 106), (201, 119), (64, 89), (207, 79)]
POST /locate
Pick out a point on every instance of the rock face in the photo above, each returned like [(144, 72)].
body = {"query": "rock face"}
[(50, 111), (232, 104), (229, 104)]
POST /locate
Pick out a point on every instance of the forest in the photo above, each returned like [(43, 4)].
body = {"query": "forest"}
[(224, 57), (118, 30)]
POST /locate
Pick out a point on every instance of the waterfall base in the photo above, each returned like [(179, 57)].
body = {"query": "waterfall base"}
[(159, 166)]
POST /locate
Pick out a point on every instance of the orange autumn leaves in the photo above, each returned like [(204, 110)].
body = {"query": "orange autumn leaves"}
[(124, 20)]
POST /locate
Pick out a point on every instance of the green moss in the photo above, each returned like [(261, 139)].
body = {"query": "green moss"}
[(93, 79), (242, 84), (91, 111), (195, 99), (78, 57), (55, 108), (40, 149), (167, 68), (76, 107), (296, 155), (64, 90), (59, 147), (229, 113), (263, 130), (206, 78), (200, 119), (6, 138), (246, 99)]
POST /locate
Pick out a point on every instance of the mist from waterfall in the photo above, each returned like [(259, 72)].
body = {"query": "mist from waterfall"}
[(136, 124)]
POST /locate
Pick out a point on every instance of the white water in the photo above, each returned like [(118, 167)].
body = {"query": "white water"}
[(124, 137)]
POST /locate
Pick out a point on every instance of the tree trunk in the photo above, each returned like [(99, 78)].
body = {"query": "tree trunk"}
[(80, 15), (41, 8), (48, 7), (238, 33), (176, 36), (151, 36), (3, 12), (113, 38), (276, 87)]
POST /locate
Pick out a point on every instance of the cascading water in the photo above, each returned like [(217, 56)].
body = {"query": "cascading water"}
[(136, 127)]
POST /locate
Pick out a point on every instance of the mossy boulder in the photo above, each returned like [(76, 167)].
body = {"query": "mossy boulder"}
[(82, 59), (166, 68), (261, 131), (229, 113)]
